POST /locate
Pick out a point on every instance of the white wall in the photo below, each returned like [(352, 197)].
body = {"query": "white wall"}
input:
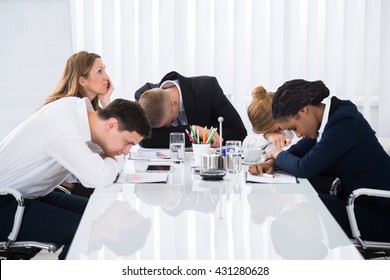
[(244, 43), (35, 41)]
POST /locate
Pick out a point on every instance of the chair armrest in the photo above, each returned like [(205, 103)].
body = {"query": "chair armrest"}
[(371, 192), (18, 214), (351, 213)]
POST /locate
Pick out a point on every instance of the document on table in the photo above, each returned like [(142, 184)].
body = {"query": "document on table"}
[(151, 156), (279, 177), (139, 178)]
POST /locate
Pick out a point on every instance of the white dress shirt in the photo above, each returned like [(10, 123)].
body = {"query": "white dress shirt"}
[(42, 151), (325, 118)]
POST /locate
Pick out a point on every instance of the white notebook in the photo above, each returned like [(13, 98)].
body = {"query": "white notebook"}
[(278, 178), (151, 156), (139, 178)]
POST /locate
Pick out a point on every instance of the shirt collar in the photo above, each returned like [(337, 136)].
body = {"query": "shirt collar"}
[(325, 118)]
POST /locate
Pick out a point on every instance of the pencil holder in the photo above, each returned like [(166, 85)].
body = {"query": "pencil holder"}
[(199, 150)]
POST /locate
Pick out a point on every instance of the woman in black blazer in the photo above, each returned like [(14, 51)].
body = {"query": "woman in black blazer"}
[(336, 141)]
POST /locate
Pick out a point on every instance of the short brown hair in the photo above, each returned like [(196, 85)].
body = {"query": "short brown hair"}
[(129, 114), (155, 102)]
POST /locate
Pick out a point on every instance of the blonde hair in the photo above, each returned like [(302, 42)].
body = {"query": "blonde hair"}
[(155, 103), (78, 65), (260, 111)]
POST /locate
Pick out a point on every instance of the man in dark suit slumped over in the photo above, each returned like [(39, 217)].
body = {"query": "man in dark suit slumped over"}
[(178, 102)]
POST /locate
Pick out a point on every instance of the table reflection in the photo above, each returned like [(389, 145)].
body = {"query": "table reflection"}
[(120, 228)]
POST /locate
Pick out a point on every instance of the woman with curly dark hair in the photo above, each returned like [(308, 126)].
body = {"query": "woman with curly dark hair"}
[(337, 141)]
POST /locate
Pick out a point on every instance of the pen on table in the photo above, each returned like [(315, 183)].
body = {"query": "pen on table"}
[(267, 175)]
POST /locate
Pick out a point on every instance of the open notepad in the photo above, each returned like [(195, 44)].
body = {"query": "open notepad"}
[(279, 178), (139, 178)]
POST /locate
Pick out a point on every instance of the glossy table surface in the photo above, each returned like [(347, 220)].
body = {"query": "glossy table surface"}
[(189, 218)]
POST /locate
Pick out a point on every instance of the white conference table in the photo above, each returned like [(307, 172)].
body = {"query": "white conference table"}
[(192, 219)]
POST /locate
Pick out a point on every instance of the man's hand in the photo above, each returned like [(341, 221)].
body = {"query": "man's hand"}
[(216, 141)]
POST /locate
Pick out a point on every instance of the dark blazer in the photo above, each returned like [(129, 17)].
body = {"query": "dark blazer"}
[(348, 149), (204, 101)]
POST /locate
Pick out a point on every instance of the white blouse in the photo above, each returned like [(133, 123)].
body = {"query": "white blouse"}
[(258, 140)]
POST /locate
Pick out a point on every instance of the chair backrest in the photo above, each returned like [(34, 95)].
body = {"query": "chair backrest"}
[(385, 142)]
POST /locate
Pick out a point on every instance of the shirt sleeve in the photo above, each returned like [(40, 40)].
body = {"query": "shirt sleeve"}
[(67, 146), (255, 140)]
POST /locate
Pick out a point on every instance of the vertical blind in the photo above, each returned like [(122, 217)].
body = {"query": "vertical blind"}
[(245, 43)]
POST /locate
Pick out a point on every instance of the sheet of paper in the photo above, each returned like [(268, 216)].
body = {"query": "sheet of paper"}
[(139, 178), (152, 156), (279, 178)]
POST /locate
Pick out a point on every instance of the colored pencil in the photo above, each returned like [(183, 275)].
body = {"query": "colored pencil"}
[(189, 136)]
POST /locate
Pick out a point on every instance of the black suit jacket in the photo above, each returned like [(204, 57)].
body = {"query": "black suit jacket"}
[(204, 101)]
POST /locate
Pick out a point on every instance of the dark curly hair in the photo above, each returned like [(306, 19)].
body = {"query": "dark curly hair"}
[(296, 94)]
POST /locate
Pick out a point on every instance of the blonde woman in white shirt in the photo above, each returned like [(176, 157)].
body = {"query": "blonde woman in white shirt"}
[(266, 134)]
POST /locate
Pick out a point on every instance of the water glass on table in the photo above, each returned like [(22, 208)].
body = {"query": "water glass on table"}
[(233, 156), (176, 147)]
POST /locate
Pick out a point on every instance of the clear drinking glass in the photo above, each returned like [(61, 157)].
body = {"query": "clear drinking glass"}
[(233, 156), (176, 146)]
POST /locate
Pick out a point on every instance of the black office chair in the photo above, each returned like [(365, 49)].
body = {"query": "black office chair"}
[(369, 249), (21, 250)]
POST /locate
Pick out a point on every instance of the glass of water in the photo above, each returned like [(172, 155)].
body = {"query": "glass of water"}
[(176, 146), (233, 156)]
